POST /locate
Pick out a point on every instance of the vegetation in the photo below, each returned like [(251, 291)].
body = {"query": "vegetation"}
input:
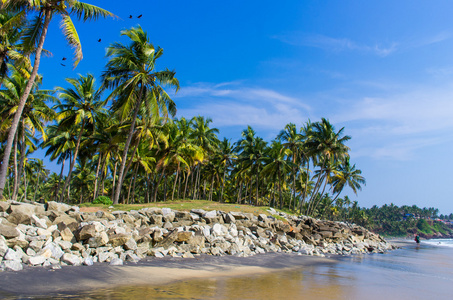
[(125, 146)]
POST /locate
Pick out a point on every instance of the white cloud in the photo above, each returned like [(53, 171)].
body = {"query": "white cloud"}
[(336, 44), (241, 105)]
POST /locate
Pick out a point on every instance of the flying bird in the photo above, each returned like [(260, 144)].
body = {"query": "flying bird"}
[(64, 58), (99, 40), (139, 16), (130, 16), (63, 65)]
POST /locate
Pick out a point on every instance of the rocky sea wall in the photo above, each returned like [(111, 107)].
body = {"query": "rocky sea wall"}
[(57, 234)]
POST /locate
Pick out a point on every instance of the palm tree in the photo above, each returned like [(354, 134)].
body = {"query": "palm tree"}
[(251, 155), (82, 106), (347, 175), (35, 34), (226, 157), (294, 142), (10, 35), (327, 145), (131, 73), (277, 165), (34, 115)]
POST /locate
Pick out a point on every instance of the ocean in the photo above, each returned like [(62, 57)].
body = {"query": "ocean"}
[(423, 271)]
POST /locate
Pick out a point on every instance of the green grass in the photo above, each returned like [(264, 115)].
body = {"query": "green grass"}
[(187, 205)]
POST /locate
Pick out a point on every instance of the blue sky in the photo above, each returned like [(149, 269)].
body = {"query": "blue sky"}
[(381, 69)]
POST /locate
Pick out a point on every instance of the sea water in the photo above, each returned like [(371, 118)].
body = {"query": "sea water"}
[(440, 242)]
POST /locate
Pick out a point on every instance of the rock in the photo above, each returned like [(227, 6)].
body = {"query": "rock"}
[(86, 232), (168, 240), (27, 209), (55, 251), (184, 236), (8, 231), (188, 255), (36, 260), (119, 239), (38, 222), (67, 235), (156, 220), (88, 261), (57, 206), (36, 245), (71, 259), (3, 246), (228, 218), (17, 217), (116, 262), (11, 255), (4, 206), (210, 214), (130, 245), (199, 212), (12, 265)]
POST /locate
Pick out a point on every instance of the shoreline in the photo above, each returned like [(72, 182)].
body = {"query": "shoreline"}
[(152, 271)]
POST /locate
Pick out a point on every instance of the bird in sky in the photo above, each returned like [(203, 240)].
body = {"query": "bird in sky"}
[(64, 58), (63, 65), (99, 40), (139, 16), (130, 16)]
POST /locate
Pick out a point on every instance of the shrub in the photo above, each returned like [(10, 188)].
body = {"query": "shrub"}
[(103, 200)]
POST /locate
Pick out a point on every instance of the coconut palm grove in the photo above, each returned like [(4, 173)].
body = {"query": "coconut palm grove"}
[(117, 140)]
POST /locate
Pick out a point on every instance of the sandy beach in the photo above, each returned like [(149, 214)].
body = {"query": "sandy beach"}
[(411, 272), (151, 272)]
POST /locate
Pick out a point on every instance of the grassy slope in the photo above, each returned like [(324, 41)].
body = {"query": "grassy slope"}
[(187, 205)]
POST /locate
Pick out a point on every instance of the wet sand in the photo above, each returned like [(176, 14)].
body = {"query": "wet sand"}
[(412, 272), (151, 272)]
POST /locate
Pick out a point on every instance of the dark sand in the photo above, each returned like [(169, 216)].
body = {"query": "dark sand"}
[(153, 271)]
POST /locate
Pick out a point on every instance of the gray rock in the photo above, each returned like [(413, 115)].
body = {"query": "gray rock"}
[(8, 231), (197, 211), (86, 232), (210, 214)]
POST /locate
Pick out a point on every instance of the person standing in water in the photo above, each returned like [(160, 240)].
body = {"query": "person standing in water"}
[(417, 239)]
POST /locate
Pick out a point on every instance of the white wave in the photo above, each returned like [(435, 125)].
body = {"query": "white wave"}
[(440, 242)]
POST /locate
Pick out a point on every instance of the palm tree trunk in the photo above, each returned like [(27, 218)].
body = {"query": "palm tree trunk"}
[(158, 182), (185, 186), (59, 179), (239, 192), (135, 180), (223, 186), (96, 179), (174, 185), (22, 157), (195, 189), (114, 179), (280, 189), (204, 189), (126, 147), (212, 188), (16, 175), (22, 101), (76, 152)]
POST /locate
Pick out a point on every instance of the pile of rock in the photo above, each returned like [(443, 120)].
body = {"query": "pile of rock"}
[(57, 234)]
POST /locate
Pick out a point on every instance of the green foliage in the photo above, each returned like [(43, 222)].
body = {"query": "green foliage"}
[(103, 200)]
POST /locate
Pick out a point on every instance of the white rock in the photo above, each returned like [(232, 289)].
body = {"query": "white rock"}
[(38, 222), (12, 265), (36, 260), (71, 259), (11, 255), (116, 262), (210, 214), (88, 261)]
